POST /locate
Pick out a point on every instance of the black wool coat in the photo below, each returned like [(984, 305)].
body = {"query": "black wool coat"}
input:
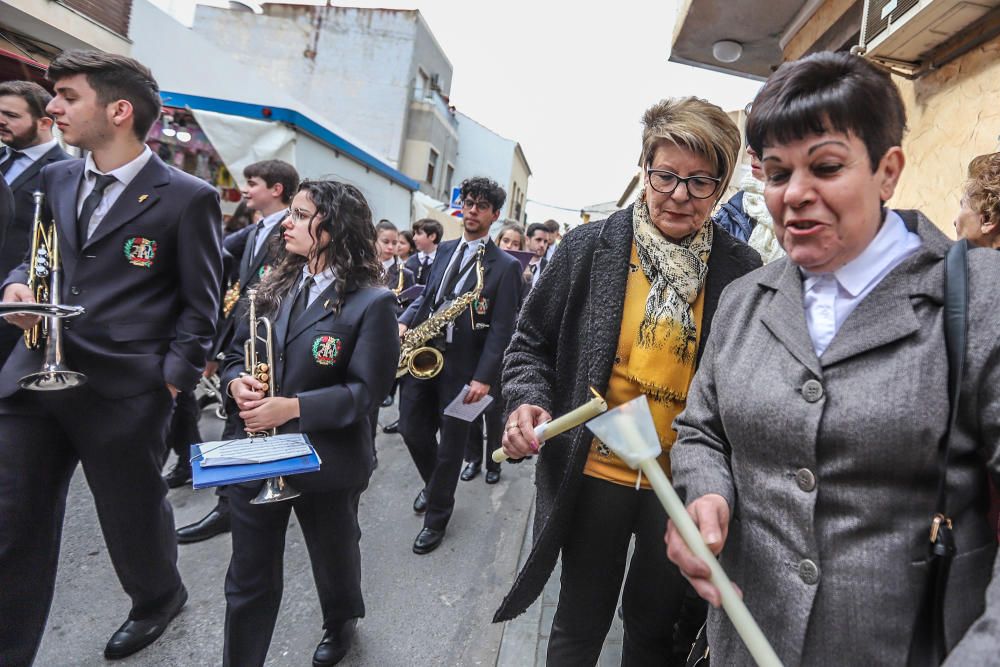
[(565, 342)]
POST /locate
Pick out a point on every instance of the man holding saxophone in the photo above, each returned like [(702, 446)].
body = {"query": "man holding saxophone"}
[(473, 344), (139, 243)]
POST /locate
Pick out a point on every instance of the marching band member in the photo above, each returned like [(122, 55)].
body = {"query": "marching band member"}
[(335, 356), (473, 353), (270, 185), (140, 247)]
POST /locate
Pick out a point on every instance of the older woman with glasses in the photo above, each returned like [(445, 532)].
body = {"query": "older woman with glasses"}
[(809, 447), (625, 306)]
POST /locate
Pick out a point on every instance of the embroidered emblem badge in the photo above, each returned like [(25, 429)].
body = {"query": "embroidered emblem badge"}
[(326, 350), (140, 251), (482, 304), (143, 198), (264, 270)]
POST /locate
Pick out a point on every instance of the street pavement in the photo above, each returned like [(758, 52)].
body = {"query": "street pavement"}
[(421, 610)]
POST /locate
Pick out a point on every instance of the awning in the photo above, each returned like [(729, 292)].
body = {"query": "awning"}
[(243, 141)]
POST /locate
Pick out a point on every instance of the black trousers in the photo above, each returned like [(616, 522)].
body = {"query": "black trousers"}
[(183, 430), (120, 444), (255, 578), (593, 566), (492, 422), (421, 408)]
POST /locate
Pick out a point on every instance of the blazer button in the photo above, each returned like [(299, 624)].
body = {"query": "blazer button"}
[(812, 390), (74, 290), (805, 479), (808, 572)]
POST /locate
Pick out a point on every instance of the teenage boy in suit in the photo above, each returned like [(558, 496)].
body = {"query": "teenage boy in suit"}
[(270, 185), (473, 351), (427, 235), (26, 131), (140, 247)]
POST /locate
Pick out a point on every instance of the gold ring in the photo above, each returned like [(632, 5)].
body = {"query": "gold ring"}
[(511, 427)]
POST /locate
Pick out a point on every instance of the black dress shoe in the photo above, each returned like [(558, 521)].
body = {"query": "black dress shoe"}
[(471, 470), (391, 428), (492, 476), (335, 644), (387, 401), (136, 635), (420, 502), (178, 476), (427, 540), (214, 523)]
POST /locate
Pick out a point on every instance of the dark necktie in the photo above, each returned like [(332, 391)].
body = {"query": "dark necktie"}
[(451, 278), (90, 205), (257, 239), (422, 274), (301, 300), (11, 157)]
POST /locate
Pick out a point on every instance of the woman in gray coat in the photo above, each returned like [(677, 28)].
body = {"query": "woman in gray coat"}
[(808, 449), (625, 306)]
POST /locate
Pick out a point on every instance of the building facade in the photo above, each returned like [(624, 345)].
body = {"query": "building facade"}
[(378, 73), (483, 152)]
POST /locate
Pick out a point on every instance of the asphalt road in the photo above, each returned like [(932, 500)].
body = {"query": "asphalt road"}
[(422, 610)]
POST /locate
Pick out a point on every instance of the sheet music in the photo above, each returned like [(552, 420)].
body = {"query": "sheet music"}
[(254, 450), (467, 412)]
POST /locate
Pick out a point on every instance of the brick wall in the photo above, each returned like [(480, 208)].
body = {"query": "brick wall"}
[(113, 14)]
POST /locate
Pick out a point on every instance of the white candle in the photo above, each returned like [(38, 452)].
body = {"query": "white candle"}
[(572, 419)]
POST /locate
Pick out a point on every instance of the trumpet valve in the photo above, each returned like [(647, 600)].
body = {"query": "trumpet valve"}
[(263, 377), (263, 368)]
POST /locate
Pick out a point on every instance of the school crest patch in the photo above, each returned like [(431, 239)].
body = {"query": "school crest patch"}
[(482, 305), (264, 270), (140, 251), (326, 350)]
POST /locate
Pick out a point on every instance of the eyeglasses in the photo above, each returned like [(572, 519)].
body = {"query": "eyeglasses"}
[(298, 215), (698, 187), (481, 204)]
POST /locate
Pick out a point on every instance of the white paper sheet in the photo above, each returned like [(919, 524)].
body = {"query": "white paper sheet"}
[(254, 450), (467, 412)]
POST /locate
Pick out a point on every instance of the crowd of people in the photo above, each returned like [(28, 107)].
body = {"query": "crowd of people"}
[(790, 341)]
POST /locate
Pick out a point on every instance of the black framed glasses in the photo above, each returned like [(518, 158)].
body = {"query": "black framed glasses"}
[(481, 204), (698, 187)]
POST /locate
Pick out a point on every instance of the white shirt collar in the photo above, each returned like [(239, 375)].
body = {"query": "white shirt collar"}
[(388, 263), (887, 248), (421, 255), (273, 219), (322, 280), (125, 173), (36, 152)]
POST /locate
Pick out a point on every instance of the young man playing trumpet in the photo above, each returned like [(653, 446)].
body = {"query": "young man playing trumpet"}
[(140, 251)]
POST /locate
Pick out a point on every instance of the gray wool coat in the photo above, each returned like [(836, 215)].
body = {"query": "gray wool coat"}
[(565, 342), (829, 465)]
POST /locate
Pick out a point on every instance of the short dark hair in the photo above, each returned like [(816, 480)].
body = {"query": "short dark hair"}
[(407, 236), (828, 92), (274, 172), (113, 77), (36, 97), (551, 226), (430, 227), (385, 226), (488, 189), (536, 227)]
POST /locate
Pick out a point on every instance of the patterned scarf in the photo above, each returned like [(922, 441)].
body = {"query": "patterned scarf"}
[(676, 272), (762, 238)]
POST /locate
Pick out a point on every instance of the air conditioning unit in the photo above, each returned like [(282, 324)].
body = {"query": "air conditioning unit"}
[(906, 30)]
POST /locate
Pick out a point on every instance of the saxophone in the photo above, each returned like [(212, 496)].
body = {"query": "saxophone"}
[(421, 360)]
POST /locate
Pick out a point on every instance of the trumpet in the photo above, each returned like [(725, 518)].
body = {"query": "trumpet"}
[(45, 282), (275, 489)]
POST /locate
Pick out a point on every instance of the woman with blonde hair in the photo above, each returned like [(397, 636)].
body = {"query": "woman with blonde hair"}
[(625, 306), (979, 217)]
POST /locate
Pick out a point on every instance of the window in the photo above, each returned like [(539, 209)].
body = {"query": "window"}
[(423, 85), (432, 162), (449, 176)]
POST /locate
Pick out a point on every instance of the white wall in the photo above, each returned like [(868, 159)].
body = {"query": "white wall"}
[(482, 152)]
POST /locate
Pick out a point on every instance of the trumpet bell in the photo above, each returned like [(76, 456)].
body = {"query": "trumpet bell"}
[(52, 378), (275, 490)]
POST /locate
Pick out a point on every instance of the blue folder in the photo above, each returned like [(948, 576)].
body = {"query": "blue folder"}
[(247, 472)]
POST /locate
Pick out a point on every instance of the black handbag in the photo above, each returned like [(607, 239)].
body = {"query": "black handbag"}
[(927, 647)]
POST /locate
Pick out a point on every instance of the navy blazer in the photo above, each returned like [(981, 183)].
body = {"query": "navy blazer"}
[(340, 366), (16, 235), (148, 277), (481, 334), (419, 274)]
